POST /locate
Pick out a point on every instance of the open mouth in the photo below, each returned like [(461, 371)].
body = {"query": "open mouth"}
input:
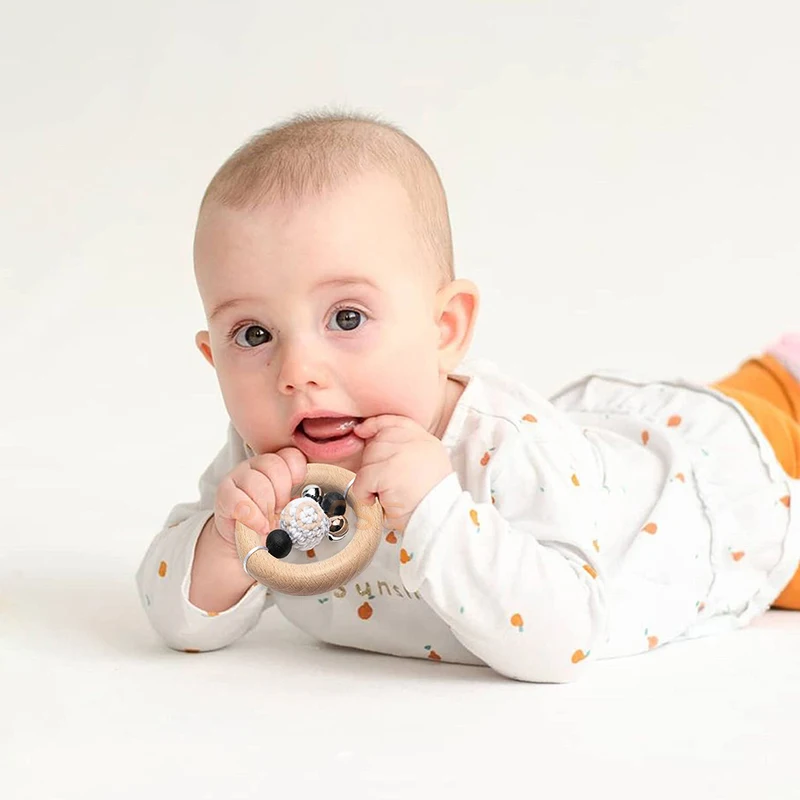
[(327, 429)]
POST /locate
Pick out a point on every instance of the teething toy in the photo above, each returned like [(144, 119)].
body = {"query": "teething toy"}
[(317, 512)]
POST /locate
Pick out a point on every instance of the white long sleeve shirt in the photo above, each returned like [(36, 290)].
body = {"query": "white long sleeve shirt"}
[(615, 517)]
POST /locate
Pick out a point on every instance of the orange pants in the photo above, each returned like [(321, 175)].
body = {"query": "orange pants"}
[(771, 395)]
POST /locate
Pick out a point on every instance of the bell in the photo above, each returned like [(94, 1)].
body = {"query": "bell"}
[(338, 528), (313, 491)]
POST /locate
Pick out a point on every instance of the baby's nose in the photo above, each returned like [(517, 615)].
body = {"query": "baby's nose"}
[(303, 366)]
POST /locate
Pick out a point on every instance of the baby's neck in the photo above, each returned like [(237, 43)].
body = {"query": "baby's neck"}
[(453, 391)]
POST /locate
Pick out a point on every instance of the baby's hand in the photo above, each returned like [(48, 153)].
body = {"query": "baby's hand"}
[(257, 490), (401, 463)]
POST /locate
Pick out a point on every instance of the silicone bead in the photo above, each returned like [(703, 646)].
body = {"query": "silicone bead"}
[(279, 543)]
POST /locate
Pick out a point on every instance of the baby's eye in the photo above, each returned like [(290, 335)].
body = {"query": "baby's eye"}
[(347, 318), (254, 335)]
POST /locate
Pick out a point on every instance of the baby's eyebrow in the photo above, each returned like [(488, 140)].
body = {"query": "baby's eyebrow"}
[(234, 301), (348, 281), (331, 282)]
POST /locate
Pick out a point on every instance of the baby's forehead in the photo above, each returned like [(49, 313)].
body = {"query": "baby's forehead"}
[(367, 211), (358, 188), (362, 233)]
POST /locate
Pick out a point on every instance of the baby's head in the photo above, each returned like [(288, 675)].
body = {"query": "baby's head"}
[(324, 261)]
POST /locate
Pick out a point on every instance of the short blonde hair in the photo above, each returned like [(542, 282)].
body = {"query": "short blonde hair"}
[(314, 151)]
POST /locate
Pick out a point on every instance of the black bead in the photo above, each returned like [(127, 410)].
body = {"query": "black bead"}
[(279, 543), (334, 504)]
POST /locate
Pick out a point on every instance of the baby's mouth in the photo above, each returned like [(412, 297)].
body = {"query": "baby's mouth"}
[(325, 429)]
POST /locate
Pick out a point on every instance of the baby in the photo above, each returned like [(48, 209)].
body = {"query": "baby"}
[(528, 534)]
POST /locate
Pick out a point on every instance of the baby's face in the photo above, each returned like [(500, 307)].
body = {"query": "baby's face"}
[(296, 340)]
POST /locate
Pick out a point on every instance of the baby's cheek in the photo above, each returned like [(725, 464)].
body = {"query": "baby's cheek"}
[(400, 388)]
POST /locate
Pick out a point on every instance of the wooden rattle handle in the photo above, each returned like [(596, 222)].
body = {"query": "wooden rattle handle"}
[(320, 576)]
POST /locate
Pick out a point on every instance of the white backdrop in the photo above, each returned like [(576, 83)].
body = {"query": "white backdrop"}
[(622, 178)]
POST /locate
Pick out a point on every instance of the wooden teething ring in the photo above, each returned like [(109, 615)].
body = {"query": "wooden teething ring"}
[(316, 577)]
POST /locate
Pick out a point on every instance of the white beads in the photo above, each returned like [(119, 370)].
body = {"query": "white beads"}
[(305, 522)]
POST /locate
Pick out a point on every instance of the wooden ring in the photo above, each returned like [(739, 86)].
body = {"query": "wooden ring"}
[(317, 577)]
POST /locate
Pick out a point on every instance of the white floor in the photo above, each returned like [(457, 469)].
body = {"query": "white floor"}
[(94, 707)]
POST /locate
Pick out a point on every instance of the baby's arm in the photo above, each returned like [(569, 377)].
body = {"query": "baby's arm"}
[(164, 576), (516, 582)]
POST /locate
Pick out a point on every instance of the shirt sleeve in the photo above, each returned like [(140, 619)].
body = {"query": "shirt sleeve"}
[(164, 575), (515, 577)]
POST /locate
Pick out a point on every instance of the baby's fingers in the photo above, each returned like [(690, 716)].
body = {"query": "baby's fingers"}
[(297, 462), (259, 489), (367, 484), (237, 503), (269, 480), (264, 495)]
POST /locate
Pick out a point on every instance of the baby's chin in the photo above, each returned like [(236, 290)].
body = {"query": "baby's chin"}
[(351, 463)]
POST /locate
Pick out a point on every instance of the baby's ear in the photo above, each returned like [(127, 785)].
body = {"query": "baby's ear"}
[(203, 342), (458, 304)]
